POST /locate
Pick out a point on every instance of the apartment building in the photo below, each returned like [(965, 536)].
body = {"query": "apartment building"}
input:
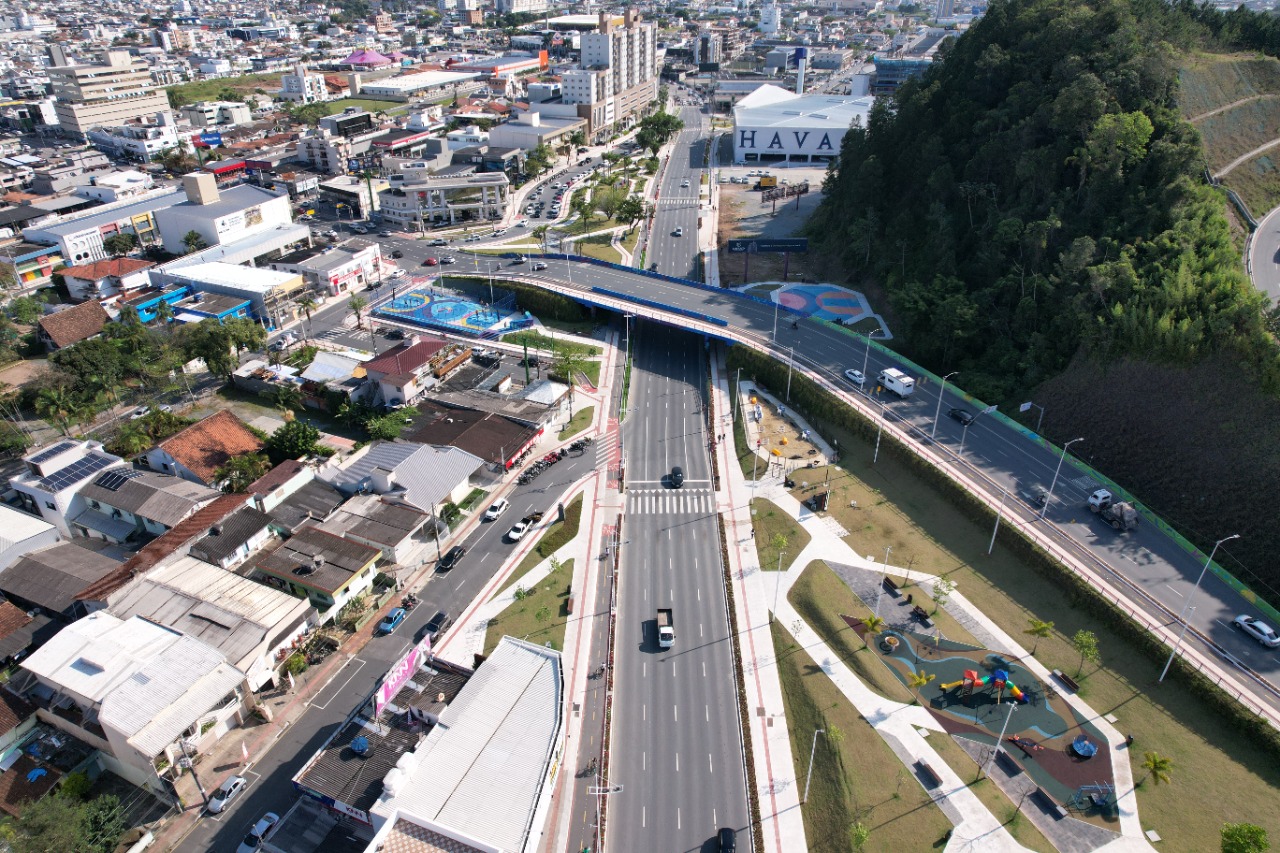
[(413, 202), (516, 7), (217, 114), (303, 86), (107, 94), (619, 71)]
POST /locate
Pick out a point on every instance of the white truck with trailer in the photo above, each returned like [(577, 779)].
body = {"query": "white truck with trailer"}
[(666, 628), (897, 381)]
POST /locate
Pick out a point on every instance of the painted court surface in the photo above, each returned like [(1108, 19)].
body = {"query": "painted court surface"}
[(824, 301)]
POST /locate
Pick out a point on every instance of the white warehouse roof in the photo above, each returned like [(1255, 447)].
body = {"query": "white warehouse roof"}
[(771, 107), (243, 279), (416, 82)]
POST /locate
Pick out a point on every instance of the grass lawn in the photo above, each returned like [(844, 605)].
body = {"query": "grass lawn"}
[(537, 340), (600, 247), (821, 597), (856, 777), (768, 520), (929, 534), (362, 103), (540, 616), (630, 239), (746, 458), (579, 327), (207, 90), (581, 420), (556, 537)]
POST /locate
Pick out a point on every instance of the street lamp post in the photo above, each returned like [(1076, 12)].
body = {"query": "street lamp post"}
[(999, 513), (866, 356), (808, 776), (937, 412), (1185, 615), (1048, 497), (791, 358), (776, 305), (879, 427), (986, 768), (883, 571)]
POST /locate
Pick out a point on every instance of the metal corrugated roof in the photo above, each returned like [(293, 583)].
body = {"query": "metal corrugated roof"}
[(481, 770), (92, 656), (424, 473)]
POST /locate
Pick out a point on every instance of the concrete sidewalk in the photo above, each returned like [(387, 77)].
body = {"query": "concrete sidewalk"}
[(901, 725)]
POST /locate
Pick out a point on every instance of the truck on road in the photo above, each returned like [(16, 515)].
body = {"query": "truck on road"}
[(897, 381), (1119, 514), (666, 628)]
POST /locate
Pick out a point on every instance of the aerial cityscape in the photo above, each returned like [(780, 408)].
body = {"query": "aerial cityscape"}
[(555, 427)]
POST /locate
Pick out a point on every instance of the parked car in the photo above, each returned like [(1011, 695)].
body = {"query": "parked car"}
[(258, 834), (498, 508), (856, 377), (391, 621), (451, 558), (963, 416), (1259, 630), (226, 792)]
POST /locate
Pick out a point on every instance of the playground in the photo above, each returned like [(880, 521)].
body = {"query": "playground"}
[(978, 694), (428, 306)]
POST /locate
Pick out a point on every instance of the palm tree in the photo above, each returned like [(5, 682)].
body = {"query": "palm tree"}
[(242, 470), (918, 680), (288, 397), (874, 625), (58, 405), (1158, 767), (358, 304), (1039, 630), (307, 304), (131, 440), (193, 241), (568, 362), (164, 312)]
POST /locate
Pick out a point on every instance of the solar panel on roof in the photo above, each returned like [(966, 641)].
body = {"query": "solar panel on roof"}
[(113, 480), (46, 455), (75, 472)]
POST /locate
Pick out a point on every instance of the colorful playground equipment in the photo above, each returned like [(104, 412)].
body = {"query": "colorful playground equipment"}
[(998, 679)]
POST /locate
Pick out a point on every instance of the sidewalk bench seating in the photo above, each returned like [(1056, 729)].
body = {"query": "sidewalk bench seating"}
[(1049, 803), (1067, 680), (892, 587), (927, 775)]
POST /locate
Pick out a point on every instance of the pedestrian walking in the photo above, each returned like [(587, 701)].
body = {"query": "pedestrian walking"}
[(753, 533)]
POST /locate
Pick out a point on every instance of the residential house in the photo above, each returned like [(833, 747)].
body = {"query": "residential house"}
[(404, 373), (273, 487), (133, 689), (126, 503), (22, 533), (71, 325), (20, 632), (114, 277), (321, 566), (492, 437), (251, 623), (293, 497), (334, 373), (229, 543), (383, 523), (198, 451), (422, 475), (52, 580), (17, 719), (50, 487)]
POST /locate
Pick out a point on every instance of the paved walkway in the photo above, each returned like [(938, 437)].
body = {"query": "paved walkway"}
[(901, 725)]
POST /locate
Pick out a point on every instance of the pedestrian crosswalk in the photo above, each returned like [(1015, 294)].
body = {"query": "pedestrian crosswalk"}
[(670, 501)]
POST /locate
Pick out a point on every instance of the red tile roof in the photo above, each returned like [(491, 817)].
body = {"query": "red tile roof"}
[(405, 358), (12, 617), (196, 525), (276, 477), (74, 324), (13, 710), (104, 269), (205, 447)]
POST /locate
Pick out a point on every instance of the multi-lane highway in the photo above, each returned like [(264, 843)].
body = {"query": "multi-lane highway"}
[(677, 744), (673, 246)]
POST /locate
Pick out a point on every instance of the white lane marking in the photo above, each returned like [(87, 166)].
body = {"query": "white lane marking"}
[(678, 808), (708, 707), (711, 765), (675, 713), (1174, 591)]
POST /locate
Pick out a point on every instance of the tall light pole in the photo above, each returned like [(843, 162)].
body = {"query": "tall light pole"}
[(1048, 497), (776, 305), (879, 427), (808, 776), (791, 358), (986, 768), (1185, 617), (937, 412), (866, 356), (883, 571)]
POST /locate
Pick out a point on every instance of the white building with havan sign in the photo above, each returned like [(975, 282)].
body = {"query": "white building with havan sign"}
[(772, 125)]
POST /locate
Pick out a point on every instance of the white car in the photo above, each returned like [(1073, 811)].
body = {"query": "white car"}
[(856, 377), (229, 790), (539, 266), (515, 534), (253, 841), (679, 232), (498, 508), (1259, 630)]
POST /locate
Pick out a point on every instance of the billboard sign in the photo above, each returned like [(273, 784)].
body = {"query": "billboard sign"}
[(400, 674), (213, 139), (760, 246)]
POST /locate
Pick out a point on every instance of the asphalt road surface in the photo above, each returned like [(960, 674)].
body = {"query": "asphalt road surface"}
[(270, 779), (1264, 256), (677, 745), (677, 204)]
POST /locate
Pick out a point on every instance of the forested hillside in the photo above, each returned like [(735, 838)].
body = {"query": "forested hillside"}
[(1038, 201)]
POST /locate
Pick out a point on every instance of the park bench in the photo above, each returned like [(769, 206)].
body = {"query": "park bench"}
[(1049, 803), (891, 587), (927, 775), (1067, 680)]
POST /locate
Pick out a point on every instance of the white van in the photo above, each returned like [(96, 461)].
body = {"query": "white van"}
[(897, 382)]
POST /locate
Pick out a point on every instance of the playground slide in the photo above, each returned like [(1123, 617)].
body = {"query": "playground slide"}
[(1016, 693), (951, 684)]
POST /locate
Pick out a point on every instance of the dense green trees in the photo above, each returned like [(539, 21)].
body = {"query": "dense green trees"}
[(1038, 191)]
